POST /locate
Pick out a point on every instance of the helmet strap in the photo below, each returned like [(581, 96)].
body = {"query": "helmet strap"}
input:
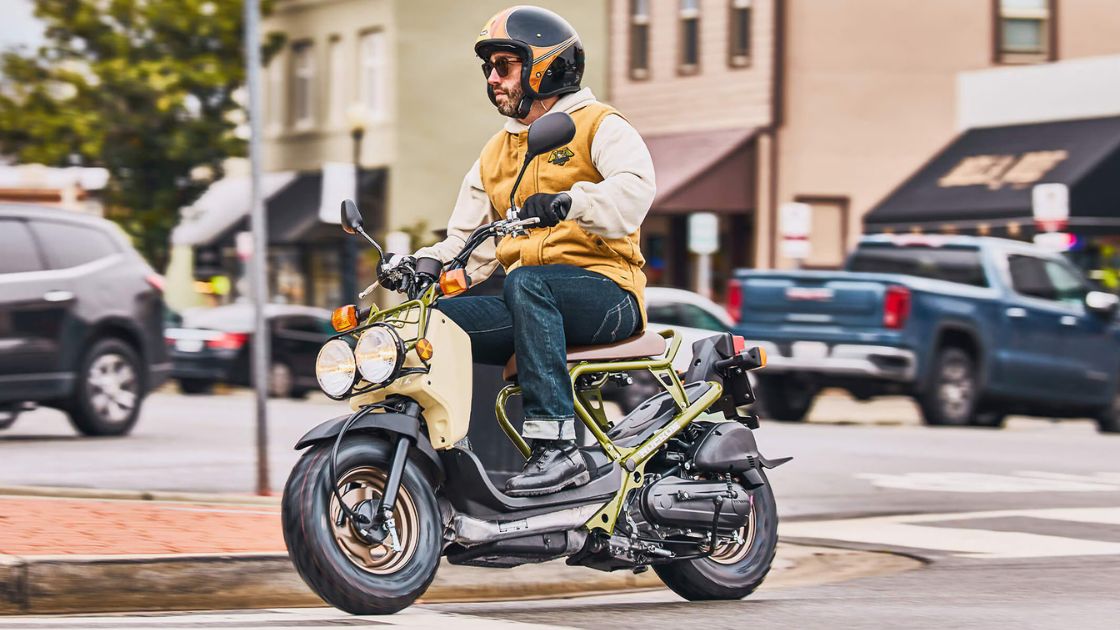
[(524, 107)]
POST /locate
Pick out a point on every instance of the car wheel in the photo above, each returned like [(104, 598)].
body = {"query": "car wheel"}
[(786, 398), (951, 398), (195, 386), (107, 397), (281, 381), (1108, 419)]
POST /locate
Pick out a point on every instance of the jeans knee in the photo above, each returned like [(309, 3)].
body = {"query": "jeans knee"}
[(521, 281)]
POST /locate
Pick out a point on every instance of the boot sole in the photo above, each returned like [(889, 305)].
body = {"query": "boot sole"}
[(575, 482)]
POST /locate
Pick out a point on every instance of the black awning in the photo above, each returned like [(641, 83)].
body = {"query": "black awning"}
[(985, 176)]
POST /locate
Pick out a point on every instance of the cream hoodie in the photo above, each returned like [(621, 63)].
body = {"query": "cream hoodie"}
[(613, 208)]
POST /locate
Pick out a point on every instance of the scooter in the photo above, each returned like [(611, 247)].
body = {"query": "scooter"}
[(380, 494)]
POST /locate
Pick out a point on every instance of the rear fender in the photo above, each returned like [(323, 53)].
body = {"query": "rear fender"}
[(730, 447), (387, 424)]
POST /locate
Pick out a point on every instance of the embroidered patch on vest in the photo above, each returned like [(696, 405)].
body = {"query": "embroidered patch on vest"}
[(560, 157)]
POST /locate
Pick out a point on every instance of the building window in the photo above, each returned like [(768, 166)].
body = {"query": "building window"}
[(303, 86), (337, 91), (276, 100), (690, 37), (739, 42), (639, 39), (371, 65), (1024, 31)]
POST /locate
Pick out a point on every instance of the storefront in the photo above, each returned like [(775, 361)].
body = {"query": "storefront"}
[(982, 183), (710, 171)]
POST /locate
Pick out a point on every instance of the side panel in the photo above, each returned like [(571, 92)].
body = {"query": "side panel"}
[(445, 392)]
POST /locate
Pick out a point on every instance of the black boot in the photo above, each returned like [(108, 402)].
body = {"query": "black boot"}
[(552, 467)]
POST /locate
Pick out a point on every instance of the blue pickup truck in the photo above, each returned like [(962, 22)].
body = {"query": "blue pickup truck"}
[(972, 328)]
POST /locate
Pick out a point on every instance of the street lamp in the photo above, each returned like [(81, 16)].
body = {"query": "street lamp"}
[(358, 119)]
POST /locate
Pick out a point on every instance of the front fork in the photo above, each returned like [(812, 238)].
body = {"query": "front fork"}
[(375, 523)]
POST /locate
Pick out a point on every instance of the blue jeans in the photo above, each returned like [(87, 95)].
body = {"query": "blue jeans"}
[(543, 310)]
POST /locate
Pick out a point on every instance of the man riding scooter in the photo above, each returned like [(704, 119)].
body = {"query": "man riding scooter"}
[(576, 278)]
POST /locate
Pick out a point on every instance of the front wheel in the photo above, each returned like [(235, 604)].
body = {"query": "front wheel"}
[(340, 566), (1108, 419), (735, 569)]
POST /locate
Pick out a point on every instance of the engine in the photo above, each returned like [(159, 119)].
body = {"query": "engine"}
[(686, 504)]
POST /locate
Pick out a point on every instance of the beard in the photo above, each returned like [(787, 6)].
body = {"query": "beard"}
[(513, 99)]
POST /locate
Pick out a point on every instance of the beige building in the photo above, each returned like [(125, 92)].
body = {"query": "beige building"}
[(839, 101), (404, 73)]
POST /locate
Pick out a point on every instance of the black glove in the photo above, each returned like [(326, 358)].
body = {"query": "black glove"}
[(395, 270), (550, 209)]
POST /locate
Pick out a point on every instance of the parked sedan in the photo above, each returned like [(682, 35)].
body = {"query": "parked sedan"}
[(213, 345), (692, 316)]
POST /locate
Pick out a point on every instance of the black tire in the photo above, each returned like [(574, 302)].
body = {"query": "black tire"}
[(1108, 419), (194, 386), (741, 569), (109, 390), (786, 398), (319, 558), (951, 398), (989, 419)]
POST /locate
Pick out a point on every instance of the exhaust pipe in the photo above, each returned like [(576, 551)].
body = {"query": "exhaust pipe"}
[(467, 530)]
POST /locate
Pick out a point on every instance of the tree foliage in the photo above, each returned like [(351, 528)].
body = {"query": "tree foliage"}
[(148, 89)]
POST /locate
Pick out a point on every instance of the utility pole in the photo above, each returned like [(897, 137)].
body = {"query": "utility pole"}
[(258, 223)]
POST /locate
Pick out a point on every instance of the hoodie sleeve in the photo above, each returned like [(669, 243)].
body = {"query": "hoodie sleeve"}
[(472, 210), (616, 206)]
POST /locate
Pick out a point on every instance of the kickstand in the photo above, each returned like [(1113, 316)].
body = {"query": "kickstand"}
[(715, 524)]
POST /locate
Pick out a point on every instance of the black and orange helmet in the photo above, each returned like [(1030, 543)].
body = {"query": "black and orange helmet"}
[(550, 51)]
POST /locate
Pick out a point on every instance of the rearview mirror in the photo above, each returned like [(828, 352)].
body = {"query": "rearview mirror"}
[(549, 132), (1101, 303), (351, 217)]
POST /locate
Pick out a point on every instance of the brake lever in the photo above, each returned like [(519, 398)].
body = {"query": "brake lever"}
[(369, 289)]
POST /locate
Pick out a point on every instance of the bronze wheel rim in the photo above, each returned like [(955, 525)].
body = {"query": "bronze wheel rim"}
[(368, 484), (733, 552)]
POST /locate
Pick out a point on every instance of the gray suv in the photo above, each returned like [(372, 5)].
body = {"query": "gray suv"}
[(81, 320)]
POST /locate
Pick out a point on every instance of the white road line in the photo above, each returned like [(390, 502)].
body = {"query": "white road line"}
[(907, 531)]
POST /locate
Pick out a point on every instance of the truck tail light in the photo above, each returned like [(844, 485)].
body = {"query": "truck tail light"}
[(227, 341), (734, 299), (896, 307)]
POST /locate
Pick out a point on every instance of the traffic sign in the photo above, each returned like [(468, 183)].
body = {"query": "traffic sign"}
[(796, 219), (1050, 206), (703, 233)]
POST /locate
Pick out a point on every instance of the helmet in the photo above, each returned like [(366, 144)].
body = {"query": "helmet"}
[(550, 51)]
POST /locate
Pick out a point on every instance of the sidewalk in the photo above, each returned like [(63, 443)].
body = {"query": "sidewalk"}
[(91, 553)]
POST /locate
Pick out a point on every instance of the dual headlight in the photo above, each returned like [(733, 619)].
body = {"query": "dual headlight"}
[(377, 357)]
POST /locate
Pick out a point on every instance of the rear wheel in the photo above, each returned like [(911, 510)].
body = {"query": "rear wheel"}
[(735, 569), (951, 397), (787, 397), (107, 397), (343, 568), (1108, 419)]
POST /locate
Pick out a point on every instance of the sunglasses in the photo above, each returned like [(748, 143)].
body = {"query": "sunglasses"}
[(502, 65)]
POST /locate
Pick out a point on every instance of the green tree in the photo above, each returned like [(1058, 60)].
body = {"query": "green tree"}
[(148, 89)]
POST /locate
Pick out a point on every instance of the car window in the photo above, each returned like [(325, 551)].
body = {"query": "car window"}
[(310, 325), (663, 314), (1068, 286), (69, 244), (695, 317), (953, 264), (1029, 277), (18, 247)]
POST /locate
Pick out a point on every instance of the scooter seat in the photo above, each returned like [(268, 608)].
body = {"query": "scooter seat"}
[(647, 344)]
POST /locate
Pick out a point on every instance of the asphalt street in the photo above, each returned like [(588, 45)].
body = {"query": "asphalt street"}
[(1020, 527)]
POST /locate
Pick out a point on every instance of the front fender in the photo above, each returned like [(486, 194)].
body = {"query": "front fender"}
[(384, 423)]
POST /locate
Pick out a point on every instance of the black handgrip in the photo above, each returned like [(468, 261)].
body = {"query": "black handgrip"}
[(430, 267)]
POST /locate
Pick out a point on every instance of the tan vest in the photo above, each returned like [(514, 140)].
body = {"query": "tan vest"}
[(620, 259)]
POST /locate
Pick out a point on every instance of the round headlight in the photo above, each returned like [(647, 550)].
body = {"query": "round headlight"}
[(335, 368), (378, 354)]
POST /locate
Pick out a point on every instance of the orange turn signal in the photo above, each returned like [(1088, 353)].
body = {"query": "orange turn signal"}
[(761, 357), (424, 349), (344, 318), (453, 282)]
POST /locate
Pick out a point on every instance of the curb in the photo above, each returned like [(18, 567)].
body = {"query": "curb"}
[(54, 492), (106, 584)]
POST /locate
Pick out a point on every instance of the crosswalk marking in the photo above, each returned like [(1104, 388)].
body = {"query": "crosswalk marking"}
[(984, 483), (920, 532)]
